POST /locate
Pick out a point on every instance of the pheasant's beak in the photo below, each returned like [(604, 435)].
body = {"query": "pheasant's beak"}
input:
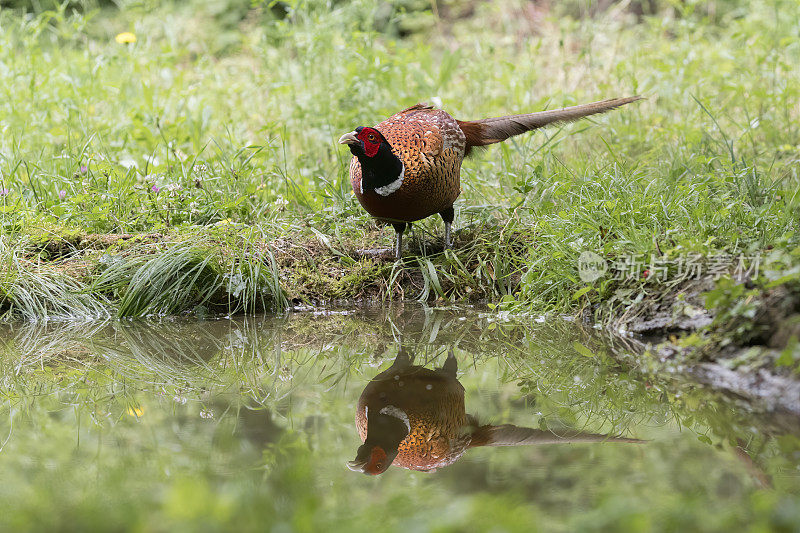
[(349, 138), (357, 466)]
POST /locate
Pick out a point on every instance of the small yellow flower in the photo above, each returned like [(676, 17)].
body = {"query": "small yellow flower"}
[(125, 37), (135, 411)]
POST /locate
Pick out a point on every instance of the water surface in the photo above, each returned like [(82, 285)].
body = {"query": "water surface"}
[(185, 425)]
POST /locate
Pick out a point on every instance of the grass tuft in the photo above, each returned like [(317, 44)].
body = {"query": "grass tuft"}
[(30, 292), (189, 276)]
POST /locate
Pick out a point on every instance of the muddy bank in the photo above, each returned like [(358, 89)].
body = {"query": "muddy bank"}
[(738, 337)]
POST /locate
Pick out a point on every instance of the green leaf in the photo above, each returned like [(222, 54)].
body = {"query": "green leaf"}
[(787, 357), (577, 294), (583, 350)]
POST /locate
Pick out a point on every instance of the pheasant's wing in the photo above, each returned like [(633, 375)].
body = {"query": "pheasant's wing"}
[(509, 435), (431, 146)]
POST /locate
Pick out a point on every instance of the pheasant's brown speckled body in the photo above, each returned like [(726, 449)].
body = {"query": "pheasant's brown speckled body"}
[(433, 400), (408, 167), (431, 146)]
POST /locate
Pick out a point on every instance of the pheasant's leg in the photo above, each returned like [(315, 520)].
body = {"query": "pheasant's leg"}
[(447, 215), (399, 227), (403, 358), (450, 365)]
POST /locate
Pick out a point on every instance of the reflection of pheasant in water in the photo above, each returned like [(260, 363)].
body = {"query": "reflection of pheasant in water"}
[(414, 418)]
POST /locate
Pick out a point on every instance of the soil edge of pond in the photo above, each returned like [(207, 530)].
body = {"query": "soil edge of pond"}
[(738, 338)]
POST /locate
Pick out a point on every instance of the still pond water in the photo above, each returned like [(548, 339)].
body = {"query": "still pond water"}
[(234, 424)]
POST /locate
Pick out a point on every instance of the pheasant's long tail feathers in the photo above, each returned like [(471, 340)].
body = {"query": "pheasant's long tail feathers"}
[(498, 129), (508, 435)]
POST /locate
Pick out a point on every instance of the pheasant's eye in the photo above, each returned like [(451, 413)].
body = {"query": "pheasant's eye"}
[(371, 137)]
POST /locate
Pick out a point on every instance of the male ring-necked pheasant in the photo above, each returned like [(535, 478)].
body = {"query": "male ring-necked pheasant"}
[(408, 167), (414, 418)]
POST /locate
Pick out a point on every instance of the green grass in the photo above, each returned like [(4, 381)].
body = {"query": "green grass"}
[(224, 114), (203, 275), (30, 293), (186, 274)]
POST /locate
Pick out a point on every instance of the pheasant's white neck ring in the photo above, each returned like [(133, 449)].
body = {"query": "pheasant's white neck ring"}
[(386, 190), (391, 410)]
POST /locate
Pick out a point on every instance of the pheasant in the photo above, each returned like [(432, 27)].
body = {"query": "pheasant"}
[(408, 167), (414, 418)]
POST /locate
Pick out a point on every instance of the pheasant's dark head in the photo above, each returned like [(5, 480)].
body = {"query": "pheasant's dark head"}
[(380, 166), (372, 460), (364, 141)]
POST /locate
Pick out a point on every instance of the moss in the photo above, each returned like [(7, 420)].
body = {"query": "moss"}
[(53, 241), (364, 275), (326, 280)]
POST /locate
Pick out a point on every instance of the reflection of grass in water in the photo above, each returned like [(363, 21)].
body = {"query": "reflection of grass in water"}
[(566, 383), (224, 366), (161, 353), (263, 365), (295, 371)]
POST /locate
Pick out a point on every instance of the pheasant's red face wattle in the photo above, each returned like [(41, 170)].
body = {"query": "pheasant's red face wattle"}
[(377, 462), (372, 140)]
